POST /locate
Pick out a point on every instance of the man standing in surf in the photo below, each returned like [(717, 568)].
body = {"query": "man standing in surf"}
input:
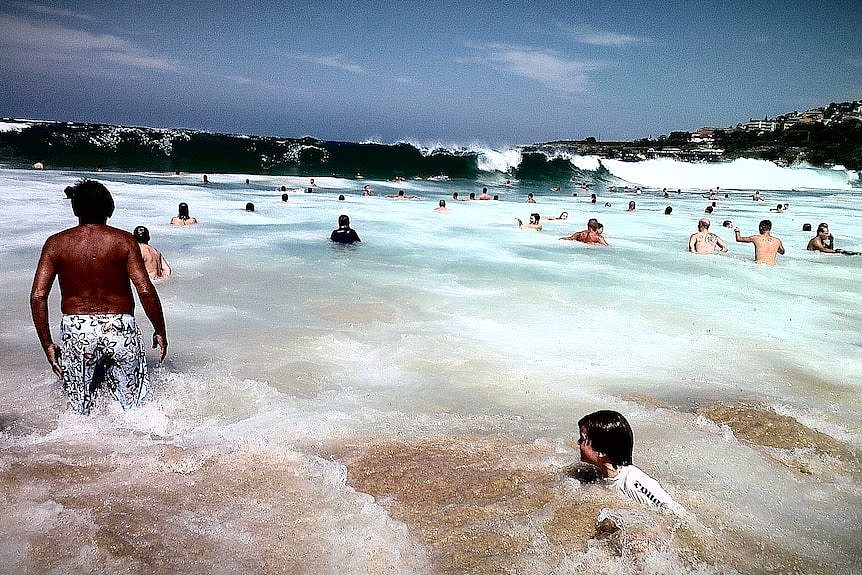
[(101, 344), (766, 246)]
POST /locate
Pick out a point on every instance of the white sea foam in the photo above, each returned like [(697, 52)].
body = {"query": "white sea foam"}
[(741, 174)]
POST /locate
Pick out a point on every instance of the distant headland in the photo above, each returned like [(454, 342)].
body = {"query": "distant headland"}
[(823, 137)]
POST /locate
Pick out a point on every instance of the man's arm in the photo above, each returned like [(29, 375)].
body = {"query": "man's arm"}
[(691, 242), (743, 239), (780, 247), (42, 282), (721, 244), (149, 298)]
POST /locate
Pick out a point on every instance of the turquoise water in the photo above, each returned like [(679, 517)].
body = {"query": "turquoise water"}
[(458, 324)]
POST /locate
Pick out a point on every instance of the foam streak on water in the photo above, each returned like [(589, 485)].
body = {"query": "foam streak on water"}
[(408, 404)]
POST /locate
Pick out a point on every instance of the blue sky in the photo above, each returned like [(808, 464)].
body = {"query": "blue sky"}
[(491, 73)]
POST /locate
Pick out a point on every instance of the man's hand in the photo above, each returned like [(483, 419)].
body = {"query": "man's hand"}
[(52, 352), (161, 342)]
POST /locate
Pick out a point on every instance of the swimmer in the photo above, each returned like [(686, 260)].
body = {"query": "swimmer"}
[(344, 234), (530, 198), (757, 197), (457, 198), (284, 197), (766, 246), (606, 441), (157, 266), (183, 218), (590, 235), (533, 225), (249, 207), (400, 196), (668, 210), (632, 207), (778, 209), (555, 189), (441, 207), (822, 242), (704, 241), (340, 197), (367, 191), (484, 195), (562, 216)]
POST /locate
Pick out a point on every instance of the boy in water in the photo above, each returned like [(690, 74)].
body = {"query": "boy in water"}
[(606, 441)]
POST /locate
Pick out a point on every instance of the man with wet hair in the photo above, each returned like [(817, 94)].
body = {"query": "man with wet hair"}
[(766, 246), (344, 234), (823, 241), (183, 218), (534, 224), (157, 266), (101, 344), (590, 235)]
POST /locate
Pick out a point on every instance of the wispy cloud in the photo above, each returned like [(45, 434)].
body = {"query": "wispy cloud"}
[(594, 37), (25, 41), (59, 12), (337, 61), (548, 67)]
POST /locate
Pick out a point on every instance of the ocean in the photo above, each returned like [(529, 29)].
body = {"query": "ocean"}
[(409, 404)]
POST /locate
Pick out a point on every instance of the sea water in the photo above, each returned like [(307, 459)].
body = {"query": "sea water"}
[(409, 404)]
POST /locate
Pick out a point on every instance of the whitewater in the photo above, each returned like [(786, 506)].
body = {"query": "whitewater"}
[(409, 404)]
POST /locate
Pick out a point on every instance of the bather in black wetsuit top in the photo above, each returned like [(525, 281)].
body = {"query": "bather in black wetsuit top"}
[(343, 236)]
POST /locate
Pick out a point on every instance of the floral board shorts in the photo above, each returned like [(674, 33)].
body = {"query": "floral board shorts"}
[(103, 350)]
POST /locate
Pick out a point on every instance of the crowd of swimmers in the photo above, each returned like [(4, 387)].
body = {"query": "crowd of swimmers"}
[(766, 246)]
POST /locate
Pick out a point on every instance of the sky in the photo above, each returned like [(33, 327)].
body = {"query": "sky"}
[(431, 73)]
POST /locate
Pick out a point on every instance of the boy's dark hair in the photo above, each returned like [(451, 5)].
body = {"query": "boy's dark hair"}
[(608, 432), (91, 201), (343, 220)]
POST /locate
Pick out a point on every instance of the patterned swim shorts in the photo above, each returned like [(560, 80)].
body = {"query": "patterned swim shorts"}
[(103, 350)]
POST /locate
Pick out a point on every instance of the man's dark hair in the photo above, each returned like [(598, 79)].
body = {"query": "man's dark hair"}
[(142, 235), (91, 201), (765, 226), (343, 220), (608, 432)]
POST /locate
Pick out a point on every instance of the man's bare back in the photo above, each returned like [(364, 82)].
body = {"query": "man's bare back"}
[(93, 264), (157, 266), (766, 246), (706, 242)]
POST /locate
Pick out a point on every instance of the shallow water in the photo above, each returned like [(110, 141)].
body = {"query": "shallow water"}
[(408, 404)]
